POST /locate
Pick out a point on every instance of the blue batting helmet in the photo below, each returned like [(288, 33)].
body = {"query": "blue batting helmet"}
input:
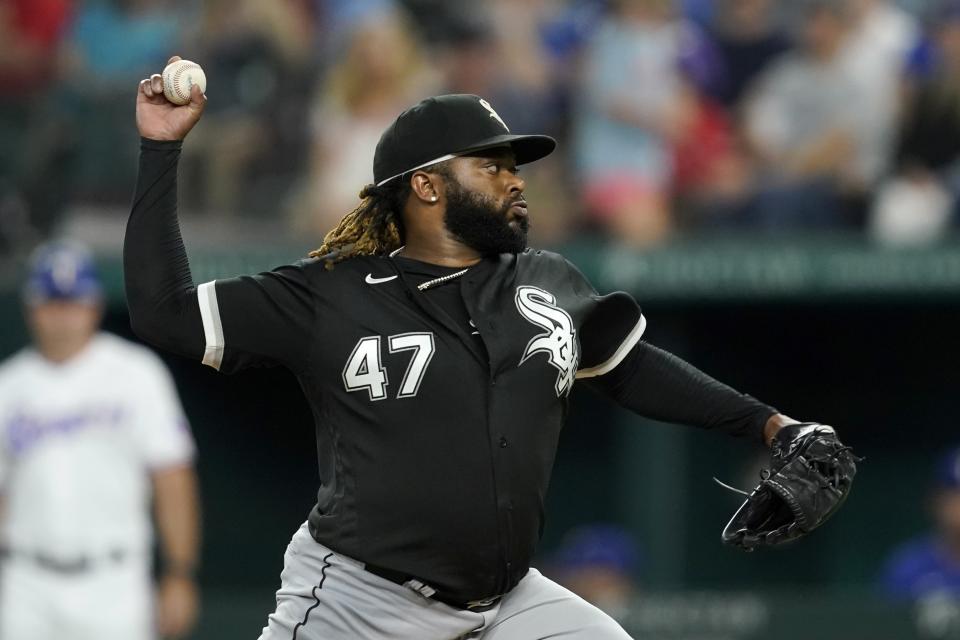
[(62, 271)]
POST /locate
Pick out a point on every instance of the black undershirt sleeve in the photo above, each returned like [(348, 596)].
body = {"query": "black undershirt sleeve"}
[(259, 320), (657, 384), (162, 300)]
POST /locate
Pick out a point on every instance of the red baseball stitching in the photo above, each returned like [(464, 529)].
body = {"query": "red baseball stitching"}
[(176, 77)]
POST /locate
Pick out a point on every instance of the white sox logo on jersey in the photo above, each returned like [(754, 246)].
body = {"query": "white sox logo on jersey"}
[(559, 342)]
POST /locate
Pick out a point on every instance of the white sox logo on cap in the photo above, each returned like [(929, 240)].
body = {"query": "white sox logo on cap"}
[(559, 342), (493, 114)]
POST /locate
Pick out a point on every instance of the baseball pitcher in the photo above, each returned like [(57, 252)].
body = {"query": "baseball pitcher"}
[(437, 352)]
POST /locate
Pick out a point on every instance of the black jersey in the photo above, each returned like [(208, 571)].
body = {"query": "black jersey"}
[(438, 397), (436, 437)]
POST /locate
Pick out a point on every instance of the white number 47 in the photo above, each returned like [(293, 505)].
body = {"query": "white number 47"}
[(364, 368)]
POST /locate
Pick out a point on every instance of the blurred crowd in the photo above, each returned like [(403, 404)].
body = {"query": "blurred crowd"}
[(672, 115)]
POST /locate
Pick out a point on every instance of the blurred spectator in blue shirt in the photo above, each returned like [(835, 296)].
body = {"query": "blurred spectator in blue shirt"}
[(116, 42), (112, 45), (634, 103), (343, 17), (930, 565), (599, 562), (702, 12)]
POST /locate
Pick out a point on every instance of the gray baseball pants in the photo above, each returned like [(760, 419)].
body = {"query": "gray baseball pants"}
[(326, 596)]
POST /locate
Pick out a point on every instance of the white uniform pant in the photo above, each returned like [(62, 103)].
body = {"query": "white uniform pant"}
[(111, 601), (327, 596)]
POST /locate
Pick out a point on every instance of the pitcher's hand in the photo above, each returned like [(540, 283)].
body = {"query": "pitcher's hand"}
[(160, 119)]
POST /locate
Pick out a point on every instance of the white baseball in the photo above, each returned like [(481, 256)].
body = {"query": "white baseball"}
[(179, 78)]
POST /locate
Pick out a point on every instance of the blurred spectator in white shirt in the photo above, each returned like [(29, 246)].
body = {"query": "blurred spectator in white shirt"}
[(881, 38), (918, 202), (814, 128)]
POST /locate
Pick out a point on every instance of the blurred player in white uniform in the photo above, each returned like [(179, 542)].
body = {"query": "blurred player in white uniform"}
[(90, 429)]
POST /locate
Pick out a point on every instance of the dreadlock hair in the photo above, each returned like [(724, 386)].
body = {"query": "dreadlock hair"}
[(375, 226)]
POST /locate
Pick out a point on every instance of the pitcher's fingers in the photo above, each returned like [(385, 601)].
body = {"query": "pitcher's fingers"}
[(146, 88), (198, 97), (173, 59), (156, 83)]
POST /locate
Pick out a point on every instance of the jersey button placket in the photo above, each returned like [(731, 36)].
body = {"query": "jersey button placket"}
[(503, 442), (501, 488)]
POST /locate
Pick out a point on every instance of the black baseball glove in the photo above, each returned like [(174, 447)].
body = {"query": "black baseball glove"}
[(810, 476)]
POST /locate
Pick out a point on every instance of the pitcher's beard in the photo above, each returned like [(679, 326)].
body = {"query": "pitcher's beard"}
[(482, 224)]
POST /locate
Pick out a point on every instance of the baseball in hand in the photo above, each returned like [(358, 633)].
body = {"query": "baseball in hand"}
[(179, 78)]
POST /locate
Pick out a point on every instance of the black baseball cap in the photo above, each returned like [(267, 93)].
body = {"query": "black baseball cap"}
[(443, 127)]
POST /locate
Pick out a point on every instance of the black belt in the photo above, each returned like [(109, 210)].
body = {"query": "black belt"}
[(66, 566), (427, 591)]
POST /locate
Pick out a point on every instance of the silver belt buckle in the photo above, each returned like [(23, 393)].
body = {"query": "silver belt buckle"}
[(486, 602)]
